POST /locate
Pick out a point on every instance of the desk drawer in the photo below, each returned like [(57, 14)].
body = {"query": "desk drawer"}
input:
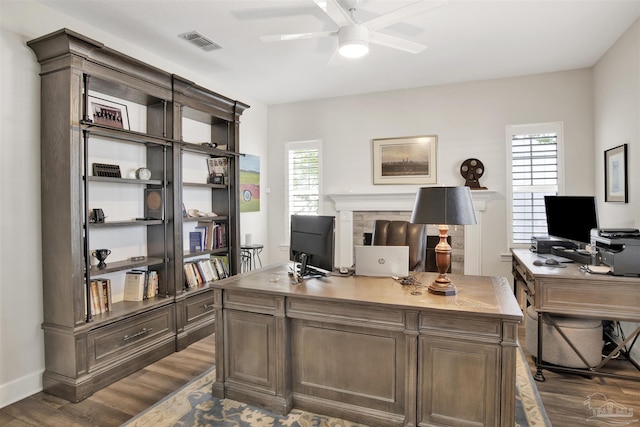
[(199, 307), (131, 335)]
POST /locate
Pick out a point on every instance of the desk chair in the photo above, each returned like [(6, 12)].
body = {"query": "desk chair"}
[(403, 233)]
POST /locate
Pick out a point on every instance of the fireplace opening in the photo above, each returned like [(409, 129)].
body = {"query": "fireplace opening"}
[(363, 223)]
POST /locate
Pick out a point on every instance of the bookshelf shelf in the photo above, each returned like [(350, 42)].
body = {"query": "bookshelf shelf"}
[(129, 223), (114, 266)]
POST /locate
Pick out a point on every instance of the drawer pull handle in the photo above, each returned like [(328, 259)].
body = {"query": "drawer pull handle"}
[(142, 333), (207, 306)]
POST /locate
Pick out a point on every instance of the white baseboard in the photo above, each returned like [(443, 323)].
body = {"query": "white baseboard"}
[(20, 388)]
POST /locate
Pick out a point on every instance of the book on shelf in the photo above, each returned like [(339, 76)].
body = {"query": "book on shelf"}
[(134, 282), (210, 230), (95, 301), (153, 287), (106, 284), (221, 236), (100, 296), (190, 275), (207, 270), (195, 241), (196, 272), (222, 265)]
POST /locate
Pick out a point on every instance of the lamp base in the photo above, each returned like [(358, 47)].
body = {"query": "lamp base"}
[(442, 288)]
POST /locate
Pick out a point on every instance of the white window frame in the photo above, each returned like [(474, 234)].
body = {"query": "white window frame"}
[(531, 129), (300, 145)]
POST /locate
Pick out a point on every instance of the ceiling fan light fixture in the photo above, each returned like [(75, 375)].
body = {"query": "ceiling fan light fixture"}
[(353, 41)]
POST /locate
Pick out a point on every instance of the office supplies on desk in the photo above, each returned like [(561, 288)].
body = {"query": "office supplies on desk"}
[(384, 261)]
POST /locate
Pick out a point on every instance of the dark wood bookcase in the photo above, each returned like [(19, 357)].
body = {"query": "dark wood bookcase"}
[(85, 351)]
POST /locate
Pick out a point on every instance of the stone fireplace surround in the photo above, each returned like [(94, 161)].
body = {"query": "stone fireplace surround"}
[(352, 207)]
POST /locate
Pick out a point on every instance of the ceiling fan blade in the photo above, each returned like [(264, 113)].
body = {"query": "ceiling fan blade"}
[(401, 13), (299, 36), (335, 12), (395, 42)]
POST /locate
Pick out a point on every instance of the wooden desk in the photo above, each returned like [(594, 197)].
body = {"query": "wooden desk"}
[(365, 349), (572, 292)]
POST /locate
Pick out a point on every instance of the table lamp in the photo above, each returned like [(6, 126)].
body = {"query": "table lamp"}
[(443, 206)]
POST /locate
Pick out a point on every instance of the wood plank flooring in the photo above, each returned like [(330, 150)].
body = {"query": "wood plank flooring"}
[(563, 395), (118, 402)]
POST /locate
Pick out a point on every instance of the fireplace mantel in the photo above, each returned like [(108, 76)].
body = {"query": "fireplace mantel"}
[(347, 203)]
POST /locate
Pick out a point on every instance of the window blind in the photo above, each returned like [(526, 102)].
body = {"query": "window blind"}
[(534, 174), (304, 181)]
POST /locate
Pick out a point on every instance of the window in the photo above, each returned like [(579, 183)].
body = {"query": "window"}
[(304, 183), (534, 170)]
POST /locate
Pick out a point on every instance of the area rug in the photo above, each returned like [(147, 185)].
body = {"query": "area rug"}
[(192, 405)]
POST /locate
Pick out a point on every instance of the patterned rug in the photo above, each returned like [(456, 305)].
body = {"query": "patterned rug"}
[(192, 405)]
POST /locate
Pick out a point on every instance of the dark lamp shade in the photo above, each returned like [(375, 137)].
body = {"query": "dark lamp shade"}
[(444, 205)]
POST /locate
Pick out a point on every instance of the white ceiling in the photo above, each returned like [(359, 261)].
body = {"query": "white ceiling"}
[(467, 41)]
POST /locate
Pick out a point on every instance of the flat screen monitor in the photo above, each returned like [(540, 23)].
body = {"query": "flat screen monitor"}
[(312, 244), (571, 217)]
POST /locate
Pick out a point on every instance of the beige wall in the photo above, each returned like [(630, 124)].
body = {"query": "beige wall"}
[(616, 121), (469, 120)]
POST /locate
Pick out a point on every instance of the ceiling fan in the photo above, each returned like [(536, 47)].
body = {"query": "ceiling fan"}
[(354, 37)]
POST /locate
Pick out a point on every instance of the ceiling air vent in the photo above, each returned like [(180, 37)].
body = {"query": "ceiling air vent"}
[(200, 41)]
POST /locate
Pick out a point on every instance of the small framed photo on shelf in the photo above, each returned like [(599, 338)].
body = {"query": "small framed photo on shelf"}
[(108, 113), (616, 188), (405, 160), (217, 167)]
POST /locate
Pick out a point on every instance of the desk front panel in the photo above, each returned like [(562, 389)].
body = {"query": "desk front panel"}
[(357, 366), (601, 299), (573, 292)]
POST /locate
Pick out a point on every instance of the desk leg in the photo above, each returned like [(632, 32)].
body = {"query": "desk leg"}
[(258, 251), (539, 376), (633, 335)]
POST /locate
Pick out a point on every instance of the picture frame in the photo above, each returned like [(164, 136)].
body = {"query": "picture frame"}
[(616, 187), (405, 160), (108, 113)]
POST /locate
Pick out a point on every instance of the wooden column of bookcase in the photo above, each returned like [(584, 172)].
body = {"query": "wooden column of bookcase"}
[(85, 351), (221, 115)]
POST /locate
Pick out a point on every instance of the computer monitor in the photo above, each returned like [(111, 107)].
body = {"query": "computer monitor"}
[(312, 244), (571, 218)]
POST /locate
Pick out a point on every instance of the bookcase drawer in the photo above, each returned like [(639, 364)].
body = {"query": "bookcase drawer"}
[(122, 339), (199, 307)]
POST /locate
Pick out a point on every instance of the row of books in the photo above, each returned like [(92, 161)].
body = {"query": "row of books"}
[(208, 236), (140, 285), (201, 271), (100, 296)]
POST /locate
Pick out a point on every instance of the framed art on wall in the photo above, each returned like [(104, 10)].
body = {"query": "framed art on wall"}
[(249, 183), (615, 174), (405, 160)]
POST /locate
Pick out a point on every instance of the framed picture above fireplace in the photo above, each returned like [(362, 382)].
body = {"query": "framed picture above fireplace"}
[(405, 160)]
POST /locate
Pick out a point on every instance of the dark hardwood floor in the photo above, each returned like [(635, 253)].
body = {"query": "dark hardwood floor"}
[(563, 395)]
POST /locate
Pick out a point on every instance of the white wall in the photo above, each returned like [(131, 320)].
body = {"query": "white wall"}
[(21, 338), (616, 118), (469, 120)]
